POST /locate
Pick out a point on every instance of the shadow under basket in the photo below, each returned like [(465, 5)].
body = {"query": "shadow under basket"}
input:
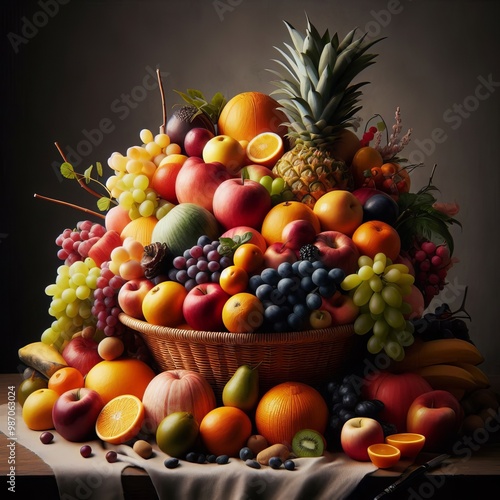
[(311, 357)]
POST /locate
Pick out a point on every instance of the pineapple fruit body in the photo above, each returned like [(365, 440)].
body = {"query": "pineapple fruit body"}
[(310, 172)]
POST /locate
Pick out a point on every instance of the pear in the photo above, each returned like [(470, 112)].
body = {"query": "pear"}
[(242, 389)]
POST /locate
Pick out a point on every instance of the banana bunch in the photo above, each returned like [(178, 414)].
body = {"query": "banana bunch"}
[(447, 364), (42, 357)]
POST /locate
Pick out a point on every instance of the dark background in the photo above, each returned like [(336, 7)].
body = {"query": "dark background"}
[(67, 65)]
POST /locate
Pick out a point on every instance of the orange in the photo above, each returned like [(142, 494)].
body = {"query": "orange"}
[(65, 379), (120, 376), (375, 236), (365, 158), (249, 257), (283, 213), (120, 420), (243, 313), (339, 210), (265, 149), (225, 430), (233, 279), (37, 409), (162, 305)]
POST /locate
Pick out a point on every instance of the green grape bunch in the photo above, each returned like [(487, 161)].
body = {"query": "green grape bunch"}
[(378, 288)]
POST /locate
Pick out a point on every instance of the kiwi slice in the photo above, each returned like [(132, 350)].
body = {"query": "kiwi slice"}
[(308, 443)]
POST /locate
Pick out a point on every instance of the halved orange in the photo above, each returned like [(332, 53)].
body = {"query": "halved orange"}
[(120, 420), (266, 149)]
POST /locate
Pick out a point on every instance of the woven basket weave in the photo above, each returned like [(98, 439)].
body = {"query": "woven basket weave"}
[(312, 356)]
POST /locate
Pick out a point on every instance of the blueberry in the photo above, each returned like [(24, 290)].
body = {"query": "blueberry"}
[(270, 276), (289, 465), (222, 459), (252, 463), (246, 453), (285, 269), (337, 274), (307, 284), (274, 313), (263, 291), (275, 462), (277, 297), (211, 458), (349, 400), (313, 301), (192, 457), (305, 268), (287, 285), (301, 310), (171, 463), (254, 282), (320, 277), (295, 322)]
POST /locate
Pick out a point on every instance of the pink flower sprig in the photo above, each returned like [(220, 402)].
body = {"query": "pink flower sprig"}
[(395, 143)]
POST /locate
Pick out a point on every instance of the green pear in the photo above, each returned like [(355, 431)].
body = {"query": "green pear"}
[(242, 389)]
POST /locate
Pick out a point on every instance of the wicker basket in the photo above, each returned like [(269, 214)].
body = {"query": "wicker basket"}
[(312, 356)]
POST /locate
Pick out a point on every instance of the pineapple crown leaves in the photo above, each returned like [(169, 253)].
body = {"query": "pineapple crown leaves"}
[(68, 172), (319, 92), (211, 108), (419, 218)]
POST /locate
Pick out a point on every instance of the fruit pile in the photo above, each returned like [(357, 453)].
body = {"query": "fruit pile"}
[(248, 216)]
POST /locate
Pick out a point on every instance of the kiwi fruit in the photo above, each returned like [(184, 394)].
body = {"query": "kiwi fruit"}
[(308, 443)]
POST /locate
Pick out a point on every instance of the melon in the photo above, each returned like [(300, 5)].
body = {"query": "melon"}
[(183, 225)]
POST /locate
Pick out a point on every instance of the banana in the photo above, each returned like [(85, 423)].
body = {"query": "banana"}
[(482, 380), (439, 351), (42, 357), (447, 377)]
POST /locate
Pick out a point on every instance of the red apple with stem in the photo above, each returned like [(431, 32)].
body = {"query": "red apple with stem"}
[(336, 249), (357, 434), (75, 413), (202, 307), (81, 353), (131, 295), (241, 202), (437, 415)]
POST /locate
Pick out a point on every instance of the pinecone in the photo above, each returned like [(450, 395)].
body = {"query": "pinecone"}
[(153, 259), (309, 252)]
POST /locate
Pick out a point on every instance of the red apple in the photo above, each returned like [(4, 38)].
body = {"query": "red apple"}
[(241, 202), (81, 353), (437, 415), (337, 250), (256, 239), (298, 233), (75, 413), (202, 307), (131, 295), (195, 140), (357, 434), (397, 391), (164, 179), (341, 307), (276, 253), (197, 181)]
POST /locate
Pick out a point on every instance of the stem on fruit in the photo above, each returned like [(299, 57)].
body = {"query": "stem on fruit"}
[(66, 204), (163, 126), (80, 178)]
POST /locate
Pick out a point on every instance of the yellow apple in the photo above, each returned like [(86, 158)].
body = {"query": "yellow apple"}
[(226, 150)]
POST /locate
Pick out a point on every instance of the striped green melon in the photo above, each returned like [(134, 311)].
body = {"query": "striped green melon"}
[(183, 225)]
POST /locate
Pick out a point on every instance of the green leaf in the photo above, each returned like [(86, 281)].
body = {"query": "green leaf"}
[(67, 171), (87, 174), (99, 168), (103, 203)]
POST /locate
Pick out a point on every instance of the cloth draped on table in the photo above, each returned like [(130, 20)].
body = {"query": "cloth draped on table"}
[(330, 477)]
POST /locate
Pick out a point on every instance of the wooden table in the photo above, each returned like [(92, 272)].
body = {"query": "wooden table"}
[(474, 471)]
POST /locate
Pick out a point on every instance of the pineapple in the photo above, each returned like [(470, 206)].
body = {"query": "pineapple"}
[(320, 102)]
